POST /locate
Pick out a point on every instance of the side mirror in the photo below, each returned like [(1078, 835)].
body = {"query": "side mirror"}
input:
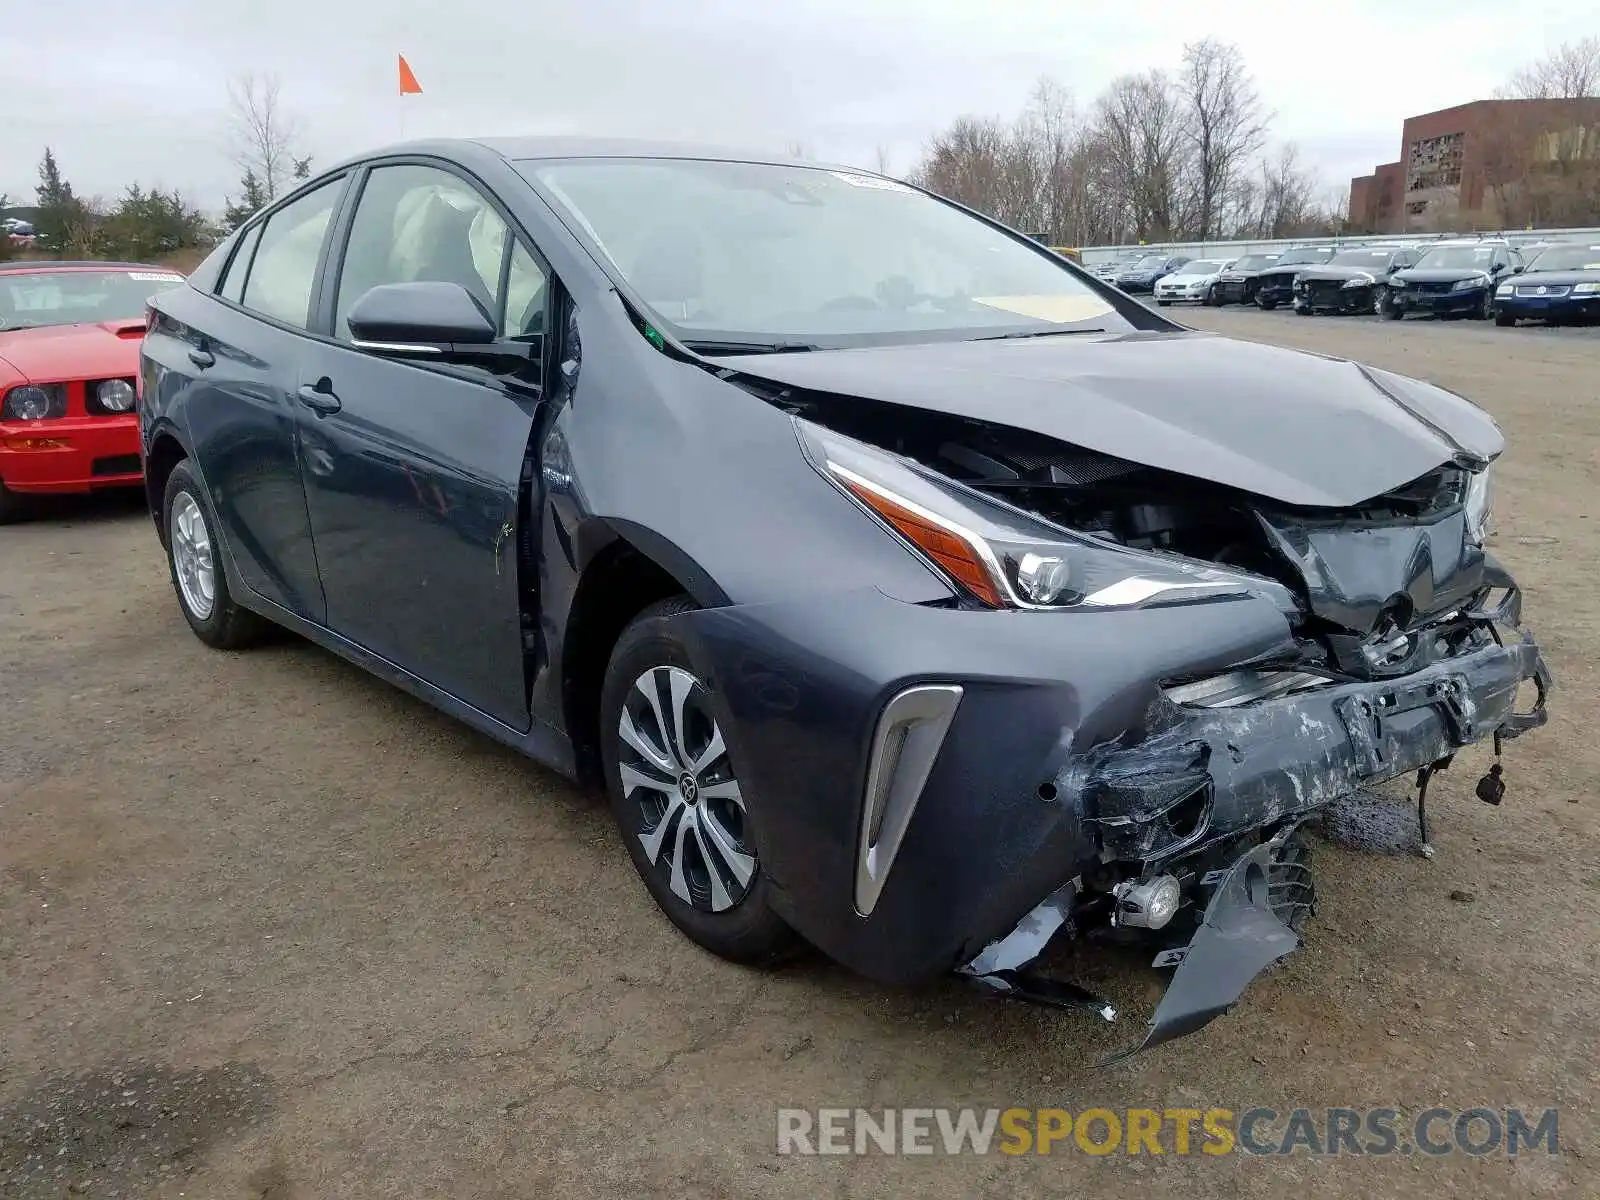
[(442, 321)]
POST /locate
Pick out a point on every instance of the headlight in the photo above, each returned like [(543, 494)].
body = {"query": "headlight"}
[(1505, 289), (1479, 503), (32, 403), (1398, 283), (1359, 281), (1466, 285), (115, 395), (1004, 557), (1586, 289)]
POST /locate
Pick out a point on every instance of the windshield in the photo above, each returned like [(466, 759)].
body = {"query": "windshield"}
[(767, 255), (1254, 262), (29, 299), (1308, 254), (1568, 258), (1372, 260), (1457, 258), (1148, 262), (1202, 266)]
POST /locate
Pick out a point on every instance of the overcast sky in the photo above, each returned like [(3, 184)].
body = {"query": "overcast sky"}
[(138, 91)]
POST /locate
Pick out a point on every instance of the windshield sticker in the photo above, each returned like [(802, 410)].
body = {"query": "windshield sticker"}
[(1058, 309), (155, 276), (871, 181)]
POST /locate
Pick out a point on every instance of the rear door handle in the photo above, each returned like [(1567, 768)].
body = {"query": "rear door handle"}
[(201, 357), (319, 400)]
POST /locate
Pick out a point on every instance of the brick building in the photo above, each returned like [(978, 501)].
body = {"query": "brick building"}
[(1450, 160)]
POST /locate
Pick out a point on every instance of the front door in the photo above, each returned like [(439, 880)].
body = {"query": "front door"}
[(413, 472)]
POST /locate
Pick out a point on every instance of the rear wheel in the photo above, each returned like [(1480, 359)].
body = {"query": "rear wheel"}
[(677, 797), (194, 559)]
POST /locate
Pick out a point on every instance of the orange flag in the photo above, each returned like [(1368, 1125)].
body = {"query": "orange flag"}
[(408, 82)]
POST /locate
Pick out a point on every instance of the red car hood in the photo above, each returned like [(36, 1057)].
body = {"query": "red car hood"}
[(61, 352)]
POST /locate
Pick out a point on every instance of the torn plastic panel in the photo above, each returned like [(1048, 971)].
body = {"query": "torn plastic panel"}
[(1215, 776)]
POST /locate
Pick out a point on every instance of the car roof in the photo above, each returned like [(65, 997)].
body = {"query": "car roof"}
[(522, 148), (27, 265)]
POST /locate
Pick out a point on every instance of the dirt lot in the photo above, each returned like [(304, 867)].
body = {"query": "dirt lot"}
[(269, 928)]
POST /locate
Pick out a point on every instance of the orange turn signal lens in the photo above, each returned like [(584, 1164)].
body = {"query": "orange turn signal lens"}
[(946, 544), (27, 443)]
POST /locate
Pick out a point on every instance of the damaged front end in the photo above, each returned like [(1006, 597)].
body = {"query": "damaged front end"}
[(1404, 648)]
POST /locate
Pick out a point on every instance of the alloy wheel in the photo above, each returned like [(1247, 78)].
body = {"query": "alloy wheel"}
[(192, 556), (674, 767)]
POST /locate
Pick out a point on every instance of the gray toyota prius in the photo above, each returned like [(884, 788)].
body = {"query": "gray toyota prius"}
[(912, 594)]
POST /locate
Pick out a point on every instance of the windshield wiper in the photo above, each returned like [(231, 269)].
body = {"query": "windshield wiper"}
[(1034, 333), (716, 347)]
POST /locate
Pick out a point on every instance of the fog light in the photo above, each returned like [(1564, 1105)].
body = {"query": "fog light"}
[(1147, 904), (1043, 580)]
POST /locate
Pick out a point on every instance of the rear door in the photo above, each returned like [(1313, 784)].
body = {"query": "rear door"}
[(243, 360), (413, 471)]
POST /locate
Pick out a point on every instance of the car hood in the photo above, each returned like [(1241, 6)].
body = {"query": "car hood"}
[(1299, 428), (1554, 278), (1332, 272), (60, 352), (1290, 269), (1439, 274)]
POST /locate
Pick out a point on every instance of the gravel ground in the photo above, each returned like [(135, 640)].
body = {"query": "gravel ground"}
[(269, 928)]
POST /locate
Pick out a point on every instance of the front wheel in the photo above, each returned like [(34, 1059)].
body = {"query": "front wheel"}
[(1164, 303), (12, 506), (678, 799), (195, 561), (1486, 309), (1504, 319), (1380, 301), (1266, 305), (1393, 312)]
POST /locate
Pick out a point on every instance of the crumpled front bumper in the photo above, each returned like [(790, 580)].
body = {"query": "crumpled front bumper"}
[(1063, 753)]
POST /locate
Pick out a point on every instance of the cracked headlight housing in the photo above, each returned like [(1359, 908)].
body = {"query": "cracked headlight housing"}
[(1358, 281), (1004, 557), (1478, 503)]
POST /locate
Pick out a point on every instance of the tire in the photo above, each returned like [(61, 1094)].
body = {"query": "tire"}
[(12, 506), (1391, 313), (1164, 303), (1486, 309), (708, 901), (1266, 305), (1303, 310), (1211, 300), (223, 625), (1504, 319), (1380, 301)]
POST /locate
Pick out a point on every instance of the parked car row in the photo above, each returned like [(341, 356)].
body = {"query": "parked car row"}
[(1486, 278)]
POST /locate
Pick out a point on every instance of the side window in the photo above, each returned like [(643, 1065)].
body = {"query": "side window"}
[(525, 296), (232, 286), (420, 223), (285, 266)]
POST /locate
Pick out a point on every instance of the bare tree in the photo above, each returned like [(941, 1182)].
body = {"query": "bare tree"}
[(266, 140), (1569, 72), (1285, 204), (1141, 130), (798, 149), (1225, 125), (881, 160)]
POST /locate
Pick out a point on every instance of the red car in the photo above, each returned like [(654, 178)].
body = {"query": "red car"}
[(69, 355)]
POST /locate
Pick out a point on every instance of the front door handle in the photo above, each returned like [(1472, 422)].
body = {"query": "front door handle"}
[(201, 357), (319, 397)]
